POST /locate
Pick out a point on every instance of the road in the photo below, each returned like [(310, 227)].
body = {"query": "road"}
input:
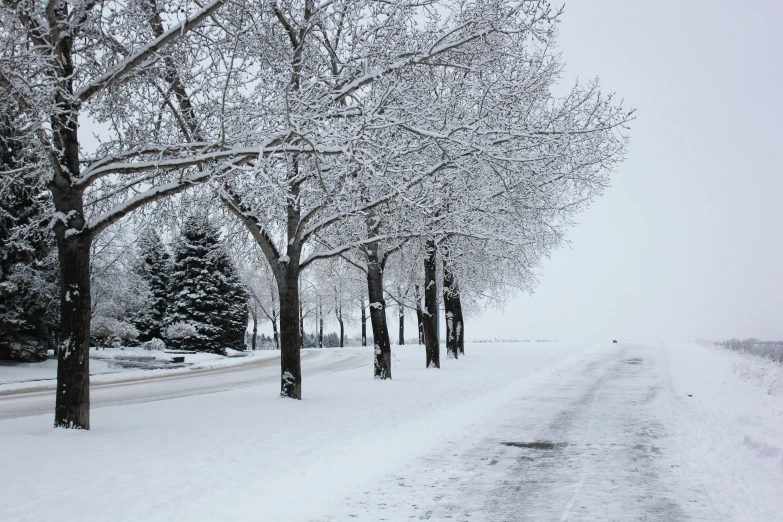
[(182, 384), (587, 445)]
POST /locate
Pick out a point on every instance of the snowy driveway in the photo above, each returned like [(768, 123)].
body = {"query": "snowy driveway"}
[(162, 386)]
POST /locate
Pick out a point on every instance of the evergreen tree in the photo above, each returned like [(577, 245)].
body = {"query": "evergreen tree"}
[(155, 268), (28, 274), (234, 319), (209, 309)]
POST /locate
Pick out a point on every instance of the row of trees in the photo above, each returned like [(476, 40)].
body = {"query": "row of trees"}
[(418, 137)]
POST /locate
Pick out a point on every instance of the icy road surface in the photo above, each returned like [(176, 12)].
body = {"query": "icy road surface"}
[(587, 444), (510, 432), (161, 386)]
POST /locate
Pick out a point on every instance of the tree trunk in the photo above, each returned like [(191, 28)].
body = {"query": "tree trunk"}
[(459, 321), (301, 324), (290, 334), (364, 324), (255, 329), (320, 325), (274, 332), (419, 314), (430, 312), (380, 331), (401, 317), (72, 405), (453, 329), (342, 325)]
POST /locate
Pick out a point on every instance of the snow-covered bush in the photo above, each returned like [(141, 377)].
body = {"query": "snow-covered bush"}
[(108, 331), (765, 373), (772, 350), (180, 330), (154, 344)]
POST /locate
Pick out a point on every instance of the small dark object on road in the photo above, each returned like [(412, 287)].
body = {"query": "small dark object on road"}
[(541, 444), (689, 395), (180, 359), (614, 341)]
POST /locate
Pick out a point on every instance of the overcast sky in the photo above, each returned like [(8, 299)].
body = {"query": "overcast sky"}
[(686, 244)]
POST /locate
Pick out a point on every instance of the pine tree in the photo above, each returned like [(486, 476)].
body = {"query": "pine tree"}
[(234, 320), (155, 268), (209, 310), (28, 274)]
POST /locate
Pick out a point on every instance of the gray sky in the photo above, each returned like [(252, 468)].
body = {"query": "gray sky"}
[(686, 243)]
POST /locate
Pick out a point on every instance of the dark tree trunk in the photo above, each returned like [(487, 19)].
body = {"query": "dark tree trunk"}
[(255, 329), (401, 317), (274, 332), (290, 333), (430, 312), (380, 331), (364, 324), (459, 321), (339, 313), (450, 293), (419, 314), (321, 325), (301, 325), (72, 405)]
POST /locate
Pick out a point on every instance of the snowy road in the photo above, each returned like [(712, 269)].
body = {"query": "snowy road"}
[(584, 446), (590, 443), (180, 384)]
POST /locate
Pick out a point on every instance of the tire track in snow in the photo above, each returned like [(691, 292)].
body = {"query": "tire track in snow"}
[(604, 461), (609, 469)]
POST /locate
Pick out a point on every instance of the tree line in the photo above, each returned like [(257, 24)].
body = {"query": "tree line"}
[(397, 139)]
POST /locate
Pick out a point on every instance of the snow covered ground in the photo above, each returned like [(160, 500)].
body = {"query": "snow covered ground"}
[(614, 436)]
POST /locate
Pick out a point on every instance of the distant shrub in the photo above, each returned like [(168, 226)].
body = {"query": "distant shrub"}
[(154, 344), (180, 330), (772, 350), (108, 331)]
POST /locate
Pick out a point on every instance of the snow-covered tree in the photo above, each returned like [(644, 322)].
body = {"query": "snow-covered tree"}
[(64, 63), (28, 274), (154, 266), (208, 308), (120, 293)]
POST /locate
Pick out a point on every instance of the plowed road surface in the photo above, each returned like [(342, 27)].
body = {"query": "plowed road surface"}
[(19, 403)]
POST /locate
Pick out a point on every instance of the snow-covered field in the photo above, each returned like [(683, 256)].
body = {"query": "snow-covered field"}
[(621, 440)]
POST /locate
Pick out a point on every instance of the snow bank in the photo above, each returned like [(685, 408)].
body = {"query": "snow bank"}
[(729, 430)]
